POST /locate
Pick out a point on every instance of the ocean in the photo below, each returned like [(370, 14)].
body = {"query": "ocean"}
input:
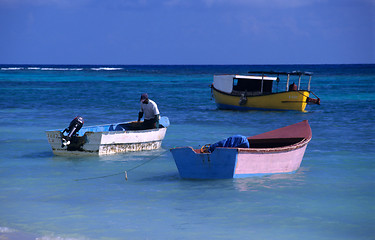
[(42, 196)]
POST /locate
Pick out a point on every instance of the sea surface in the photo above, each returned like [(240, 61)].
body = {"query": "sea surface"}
[(42, 196)]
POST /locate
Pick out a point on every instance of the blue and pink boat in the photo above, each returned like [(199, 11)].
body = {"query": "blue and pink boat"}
[(277, 151)]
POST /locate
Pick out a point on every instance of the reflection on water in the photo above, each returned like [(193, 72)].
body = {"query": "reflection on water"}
[(273, 181)]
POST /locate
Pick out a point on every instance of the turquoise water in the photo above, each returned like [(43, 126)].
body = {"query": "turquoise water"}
[(330, 197)]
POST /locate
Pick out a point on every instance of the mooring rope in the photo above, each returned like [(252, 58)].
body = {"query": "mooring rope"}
[(123, 172)]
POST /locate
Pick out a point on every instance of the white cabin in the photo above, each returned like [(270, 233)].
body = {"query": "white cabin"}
[(241, 83)]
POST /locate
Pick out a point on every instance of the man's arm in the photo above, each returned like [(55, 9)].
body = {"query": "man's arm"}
[(140, 115)]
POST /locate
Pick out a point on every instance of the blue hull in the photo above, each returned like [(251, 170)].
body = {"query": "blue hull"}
[(218, 165)]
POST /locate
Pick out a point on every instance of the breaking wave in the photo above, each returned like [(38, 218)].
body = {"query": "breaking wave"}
[(9, 233), (47, 68), (6, 230), (106, 69)]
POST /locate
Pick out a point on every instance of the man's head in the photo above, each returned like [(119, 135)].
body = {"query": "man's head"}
[(144, 98)]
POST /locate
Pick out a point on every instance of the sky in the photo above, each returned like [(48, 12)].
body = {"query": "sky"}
[(187, 32)]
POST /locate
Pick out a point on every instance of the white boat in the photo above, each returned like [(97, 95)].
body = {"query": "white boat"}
[(108, 139)]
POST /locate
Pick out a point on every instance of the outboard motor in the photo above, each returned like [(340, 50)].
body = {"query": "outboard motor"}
[(74, 126)]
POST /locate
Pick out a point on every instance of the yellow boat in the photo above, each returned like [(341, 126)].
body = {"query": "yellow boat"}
[(258, 91)]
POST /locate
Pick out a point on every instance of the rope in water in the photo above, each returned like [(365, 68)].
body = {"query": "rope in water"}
[(126, 171)]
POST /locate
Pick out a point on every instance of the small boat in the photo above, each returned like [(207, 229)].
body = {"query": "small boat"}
[(107, 139), (258, 91), (277, 151)]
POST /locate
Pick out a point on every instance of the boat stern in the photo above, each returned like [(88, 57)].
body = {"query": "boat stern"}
[(54, 139)]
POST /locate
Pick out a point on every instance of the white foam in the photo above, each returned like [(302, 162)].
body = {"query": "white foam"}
[(106, 69), (59, 238), (61, 69), (12, 68), (54, 69), (6, 230)]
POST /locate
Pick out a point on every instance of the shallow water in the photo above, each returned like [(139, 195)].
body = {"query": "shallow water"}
[(51, 197)]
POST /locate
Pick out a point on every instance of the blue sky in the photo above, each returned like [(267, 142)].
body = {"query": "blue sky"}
[(187, 31)]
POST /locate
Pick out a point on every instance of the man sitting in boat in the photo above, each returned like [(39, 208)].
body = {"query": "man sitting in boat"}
[(151, 112), (293, 87)]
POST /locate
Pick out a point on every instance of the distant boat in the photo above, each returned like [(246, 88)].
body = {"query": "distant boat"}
[(108, 139), (260, 91), (277, 151)]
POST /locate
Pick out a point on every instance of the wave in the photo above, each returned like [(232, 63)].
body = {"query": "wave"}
[(39, 69), (61, 69), (54, 69), (9, 233), (6, 230), (106, 69), (11, 68), (60, 238)]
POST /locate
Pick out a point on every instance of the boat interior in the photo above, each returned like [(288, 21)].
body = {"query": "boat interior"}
[(130, 126), (273, 142), (251, 87), (269, 143)]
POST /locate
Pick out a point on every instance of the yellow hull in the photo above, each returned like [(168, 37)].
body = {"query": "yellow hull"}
[(292, 100)]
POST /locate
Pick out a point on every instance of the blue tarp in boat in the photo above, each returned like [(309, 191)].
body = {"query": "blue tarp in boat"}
[(233, 141)]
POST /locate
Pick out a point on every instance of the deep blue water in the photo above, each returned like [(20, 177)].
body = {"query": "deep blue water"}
[(330, 197)]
